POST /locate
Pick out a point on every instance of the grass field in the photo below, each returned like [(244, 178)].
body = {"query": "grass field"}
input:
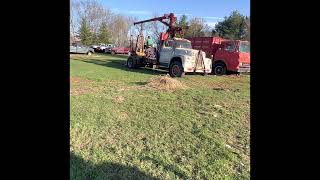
[(122, 129)]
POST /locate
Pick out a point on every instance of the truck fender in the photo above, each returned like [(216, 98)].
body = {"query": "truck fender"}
[(176, 58), (220, 61)]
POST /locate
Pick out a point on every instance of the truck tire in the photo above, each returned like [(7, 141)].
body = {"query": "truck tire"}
[(176, 69), (89, 53), (219, 69), (112, 52), (131, 63)]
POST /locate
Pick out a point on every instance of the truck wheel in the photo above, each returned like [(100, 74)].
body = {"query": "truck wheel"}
[(112, 52), (89, 53), (131, 63), (219, 69), (176, 69)]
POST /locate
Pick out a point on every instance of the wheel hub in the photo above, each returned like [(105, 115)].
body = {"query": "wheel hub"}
[(130, 63), (218, 69), (175, 70)]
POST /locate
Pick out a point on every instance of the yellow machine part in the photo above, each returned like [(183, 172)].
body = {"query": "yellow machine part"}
[(140, 53)]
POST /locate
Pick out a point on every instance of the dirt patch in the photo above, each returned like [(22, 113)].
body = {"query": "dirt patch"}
[(123, 116), (78, 80), (119, 99), (80, 86), (166, 83)]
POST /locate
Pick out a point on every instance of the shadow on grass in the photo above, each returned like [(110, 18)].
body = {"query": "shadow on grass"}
[(121, 64), (140, 83), (81, 169), (167, 167)]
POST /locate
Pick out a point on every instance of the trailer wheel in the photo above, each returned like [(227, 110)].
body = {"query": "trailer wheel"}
[(219, 69), (176, 69)]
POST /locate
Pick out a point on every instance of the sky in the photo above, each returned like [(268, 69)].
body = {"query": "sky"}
[(212, 11)]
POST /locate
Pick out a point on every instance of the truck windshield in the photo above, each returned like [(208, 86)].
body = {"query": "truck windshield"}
[(244, 47), (183, 44)]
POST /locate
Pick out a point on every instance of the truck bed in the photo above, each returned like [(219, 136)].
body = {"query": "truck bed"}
[(207, 44)]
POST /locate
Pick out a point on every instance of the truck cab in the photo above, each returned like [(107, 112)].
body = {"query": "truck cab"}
[(231, 56), (177, 55)]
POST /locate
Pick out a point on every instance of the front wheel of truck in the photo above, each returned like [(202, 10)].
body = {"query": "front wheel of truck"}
[(176, 69), (219, 69)]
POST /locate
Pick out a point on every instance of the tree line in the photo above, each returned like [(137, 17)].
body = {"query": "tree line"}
[(235, 26), (93, 24)]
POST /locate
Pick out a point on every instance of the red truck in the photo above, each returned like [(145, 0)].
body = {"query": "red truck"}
[(227, 55)]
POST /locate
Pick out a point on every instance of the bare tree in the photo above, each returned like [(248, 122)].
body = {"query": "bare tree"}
[(72, 21), (93, 12), (120, 26), (197, 27), (155, 28)]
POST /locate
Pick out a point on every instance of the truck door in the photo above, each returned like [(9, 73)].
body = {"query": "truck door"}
[(232, 56), (166, 53)]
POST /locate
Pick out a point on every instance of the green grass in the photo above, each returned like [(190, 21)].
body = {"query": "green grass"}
[(121, 130)]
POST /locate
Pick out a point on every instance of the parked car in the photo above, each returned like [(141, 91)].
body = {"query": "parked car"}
[(80, 49), (120, 50), (101, 48), (109, 47), (94, 47)]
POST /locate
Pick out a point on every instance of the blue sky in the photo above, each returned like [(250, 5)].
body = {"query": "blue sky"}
[(212, 11)]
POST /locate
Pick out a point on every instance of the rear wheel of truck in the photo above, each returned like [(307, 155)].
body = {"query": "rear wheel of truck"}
[(176, 69), (219, 69), (132, 63)]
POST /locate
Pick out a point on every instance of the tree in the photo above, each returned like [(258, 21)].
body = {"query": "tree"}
[(182, 23), (233, 27), (85, 33), (247, 29), (94, 13), (197, 27), (153, 29), (104, 34), (213, 32), (119, 27)]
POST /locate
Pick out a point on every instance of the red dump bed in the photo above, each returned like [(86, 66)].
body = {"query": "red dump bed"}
[(207, 44)]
